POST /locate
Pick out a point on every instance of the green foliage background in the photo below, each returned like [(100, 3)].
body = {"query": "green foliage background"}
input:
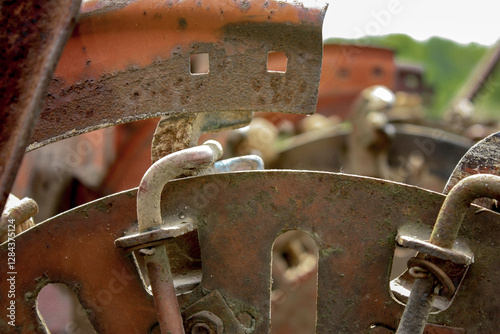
[(447, 66)]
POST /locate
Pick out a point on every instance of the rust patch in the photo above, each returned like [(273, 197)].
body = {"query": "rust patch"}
[(182, 23)]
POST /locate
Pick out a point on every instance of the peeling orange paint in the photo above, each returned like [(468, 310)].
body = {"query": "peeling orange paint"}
[(144, 31)]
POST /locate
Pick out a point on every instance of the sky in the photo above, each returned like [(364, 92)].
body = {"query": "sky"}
[(463, 21)]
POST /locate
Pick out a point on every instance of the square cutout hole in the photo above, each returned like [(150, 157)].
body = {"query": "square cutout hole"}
[(199, 63), (277, 61)]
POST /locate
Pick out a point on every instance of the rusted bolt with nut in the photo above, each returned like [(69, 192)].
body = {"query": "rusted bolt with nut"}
[(204, 322)]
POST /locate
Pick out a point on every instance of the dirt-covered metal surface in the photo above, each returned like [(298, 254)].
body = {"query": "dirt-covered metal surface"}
[(353, 220), (482, 158), (32, 36), (131, 61)]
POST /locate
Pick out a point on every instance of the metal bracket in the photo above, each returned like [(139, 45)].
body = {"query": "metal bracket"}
[(443, 236), (154, 232)]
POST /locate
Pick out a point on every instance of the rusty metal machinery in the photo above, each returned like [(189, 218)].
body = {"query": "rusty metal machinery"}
[(191, 249)]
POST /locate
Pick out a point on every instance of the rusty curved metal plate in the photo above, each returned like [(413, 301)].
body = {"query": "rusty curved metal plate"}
[(482, 158), (77, 249), (440, 150), (353, 220), (32, 36), (130, 60)]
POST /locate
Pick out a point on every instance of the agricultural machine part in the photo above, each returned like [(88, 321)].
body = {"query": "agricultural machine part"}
[(158, 77), (176, 133), (371, 132), (220, 320), (156, 231), (110, 73), (33, 35), (416, 154), (204, 322), (439, 247), (247, 211)]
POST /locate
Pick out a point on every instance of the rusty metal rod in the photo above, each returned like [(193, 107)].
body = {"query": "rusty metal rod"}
[(162, 286), (418, 307), (29, 56), (445, 231)]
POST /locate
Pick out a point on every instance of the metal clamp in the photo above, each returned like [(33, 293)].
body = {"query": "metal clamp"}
[(153, 231), (430, 249), (439, 247)]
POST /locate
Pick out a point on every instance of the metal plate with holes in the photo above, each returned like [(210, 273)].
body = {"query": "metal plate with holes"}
[(110, 73), (354, 221)]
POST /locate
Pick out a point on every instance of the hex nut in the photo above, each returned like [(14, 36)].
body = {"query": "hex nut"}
[(204, 322)]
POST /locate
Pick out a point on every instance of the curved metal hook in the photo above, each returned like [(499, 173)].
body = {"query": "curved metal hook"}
[(164, 170)]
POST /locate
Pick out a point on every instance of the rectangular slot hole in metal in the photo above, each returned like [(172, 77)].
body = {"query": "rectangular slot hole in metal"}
[(199, 63), (277, 61), (294, 283)]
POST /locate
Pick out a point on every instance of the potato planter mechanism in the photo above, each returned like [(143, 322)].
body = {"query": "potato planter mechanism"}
[(190, 250)]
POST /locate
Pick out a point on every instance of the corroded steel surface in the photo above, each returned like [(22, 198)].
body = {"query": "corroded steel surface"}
[(32, 36), (244, 212), (77, 249), (130, 60), (482, 158)]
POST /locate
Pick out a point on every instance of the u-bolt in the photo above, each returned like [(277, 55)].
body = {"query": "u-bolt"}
[(445, 231), (149, 217)]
